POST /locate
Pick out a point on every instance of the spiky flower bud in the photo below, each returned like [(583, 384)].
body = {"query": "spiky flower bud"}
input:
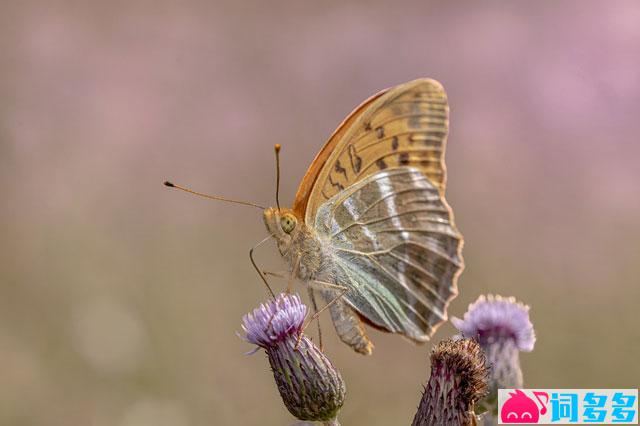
[(310, 386), (458, 380), (503, 328)]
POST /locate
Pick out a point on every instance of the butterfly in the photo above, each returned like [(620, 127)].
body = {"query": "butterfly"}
[(370, 229)]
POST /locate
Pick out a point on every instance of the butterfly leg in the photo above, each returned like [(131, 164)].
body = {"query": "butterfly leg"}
[(273, 315), (278, 274), (317, 312), (292, 276), (312, 297), (346, 321), (285, 275)]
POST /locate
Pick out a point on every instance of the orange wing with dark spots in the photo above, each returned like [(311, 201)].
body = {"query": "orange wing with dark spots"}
[(406, 125), (306, 185)]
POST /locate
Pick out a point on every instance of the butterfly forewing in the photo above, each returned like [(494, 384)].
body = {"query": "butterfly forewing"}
[(395, 247), (404, 126)]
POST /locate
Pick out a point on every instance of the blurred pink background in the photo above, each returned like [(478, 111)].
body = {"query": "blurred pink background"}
[(119, 299)]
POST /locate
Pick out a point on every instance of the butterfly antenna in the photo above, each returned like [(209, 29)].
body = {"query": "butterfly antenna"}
[(211, 197), (277, 150), (253, 262)]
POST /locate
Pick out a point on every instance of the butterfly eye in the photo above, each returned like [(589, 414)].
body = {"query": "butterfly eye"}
[(288, 223)]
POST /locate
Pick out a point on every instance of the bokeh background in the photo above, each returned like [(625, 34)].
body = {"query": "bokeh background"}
[(120, 299)]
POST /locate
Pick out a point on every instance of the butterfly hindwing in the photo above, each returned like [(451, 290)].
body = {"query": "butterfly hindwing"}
[(395, 247)]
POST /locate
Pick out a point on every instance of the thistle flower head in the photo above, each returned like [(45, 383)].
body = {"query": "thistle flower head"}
[(503, 329), (275, 320), (310, 386), (492, 318), (458, 380)]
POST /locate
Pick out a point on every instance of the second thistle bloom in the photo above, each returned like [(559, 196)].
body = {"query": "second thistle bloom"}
[(457, 382), (503, 328), (310, 386)]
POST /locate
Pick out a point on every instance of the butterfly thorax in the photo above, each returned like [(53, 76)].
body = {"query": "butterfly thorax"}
[(298, 244)]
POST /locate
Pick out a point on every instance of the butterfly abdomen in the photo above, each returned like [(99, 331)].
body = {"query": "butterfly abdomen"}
[(348, 325)]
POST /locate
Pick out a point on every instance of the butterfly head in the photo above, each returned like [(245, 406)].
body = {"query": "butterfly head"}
[(283, 224)]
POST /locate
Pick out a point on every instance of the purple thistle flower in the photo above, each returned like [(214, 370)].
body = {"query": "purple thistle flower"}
[(274, 321), (310, 386), (492, 318), (503, 329), (457, 382)]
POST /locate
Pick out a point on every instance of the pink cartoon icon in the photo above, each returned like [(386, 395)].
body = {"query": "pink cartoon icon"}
[(519, 408)]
